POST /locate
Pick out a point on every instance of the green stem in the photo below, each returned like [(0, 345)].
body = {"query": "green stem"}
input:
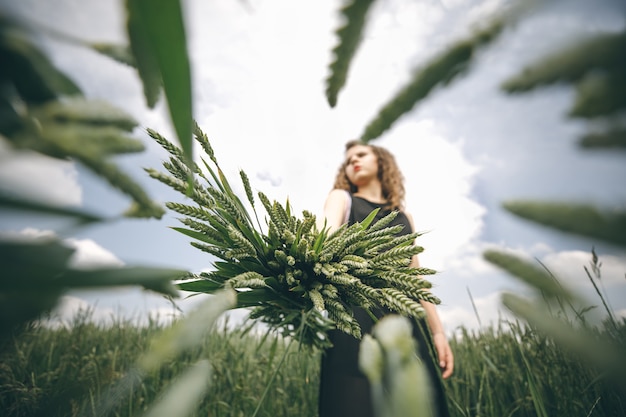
[(606, 307), (269, 384), (280, 364)]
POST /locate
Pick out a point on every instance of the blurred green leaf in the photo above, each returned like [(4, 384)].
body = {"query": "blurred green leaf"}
[(31, 264), (400, 385), (158, 41), (94, 113), (439, 71), (120, 53), (350, 34), (600, 94), (9, 118), (152, 278), (22, 204), (44, 265), (613, 138), (537, 277), (574, 218), (143, 52), (184, 393), (186, 334), (604, 52), (29, 70)]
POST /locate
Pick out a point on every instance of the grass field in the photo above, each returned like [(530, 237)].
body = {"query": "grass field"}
[(506, 370)]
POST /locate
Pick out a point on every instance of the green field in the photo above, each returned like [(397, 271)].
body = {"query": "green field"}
[(505, 370)]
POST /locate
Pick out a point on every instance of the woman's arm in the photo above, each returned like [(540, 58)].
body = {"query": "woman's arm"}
[(444, 353), (335, 209)]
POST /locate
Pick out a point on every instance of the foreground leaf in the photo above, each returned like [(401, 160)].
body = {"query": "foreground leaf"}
[(574, 218), (23, 204), (159, 43), (613, 138), (187, 333), (537, 277), (28, 69), (439, 71), (350, 35), (572, 63), (184, 393), (399, 382)]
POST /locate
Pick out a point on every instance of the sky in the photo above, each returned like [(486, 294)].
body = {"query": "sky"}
[(259, 69)]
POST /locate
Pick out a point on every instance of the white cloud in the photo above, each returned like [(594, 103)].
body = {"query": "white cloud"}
[(90, 254), (38, 177)]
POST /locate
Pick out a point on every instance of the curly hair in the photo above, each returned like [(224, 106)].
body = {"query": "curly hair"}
[(389, 174)]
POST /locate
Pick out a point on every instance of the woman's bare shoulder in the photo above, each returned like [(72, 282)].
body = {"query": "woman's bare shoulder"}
[(338, 193)]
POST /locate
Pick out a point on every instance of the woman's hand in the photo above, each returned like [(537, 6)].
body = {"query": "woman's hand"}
[(444, 354)]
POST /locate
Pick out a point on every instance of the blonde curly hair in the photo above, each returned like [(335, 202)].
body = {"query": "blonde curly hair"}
[(389, 174)]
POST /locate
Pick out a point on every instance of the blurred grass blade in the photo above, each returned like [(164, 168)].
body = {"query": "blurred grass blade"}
[(21, 204), (614, 138), (579, 219), (31, 264), (43, 266), (120, 53), (184, 394), (571, 64), (142, 50), (173, 341), (399, 382), (600, 94), (187, 333), (95, 113), (350, 34), (439, 71), (156, 279), (538, 278), (31, 72), (158, 40)]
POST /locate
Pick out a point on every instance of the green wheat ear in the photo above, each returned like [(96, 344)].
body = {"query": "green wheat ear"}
[(297, 279)]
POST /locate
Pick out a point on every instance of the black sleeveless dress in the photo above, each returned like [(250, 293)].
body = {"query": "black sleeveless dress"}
[(344, 390)]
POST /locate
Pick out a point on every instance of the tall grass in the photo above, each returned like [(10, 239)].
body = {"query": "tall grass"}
[(53, 372), (512, 370), (504, 370)]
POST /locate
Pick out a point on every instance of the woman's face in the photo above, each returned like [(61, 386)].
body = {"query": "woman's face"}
[(361, 164)]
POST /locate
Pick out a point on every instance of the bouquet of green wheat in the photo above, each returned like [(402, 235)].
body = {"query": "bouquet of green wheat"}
[(295, 278)]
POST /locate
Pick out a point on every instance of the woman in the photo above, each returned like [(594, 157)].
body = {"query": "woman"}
[(369, 178)]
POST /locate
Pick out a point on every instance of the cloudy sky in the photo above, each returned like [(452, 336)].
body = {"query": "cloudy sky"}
[(259, 68)]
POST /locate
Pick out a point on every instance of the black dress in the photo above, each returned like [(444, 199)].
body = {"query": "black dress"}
[(344, 390)]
